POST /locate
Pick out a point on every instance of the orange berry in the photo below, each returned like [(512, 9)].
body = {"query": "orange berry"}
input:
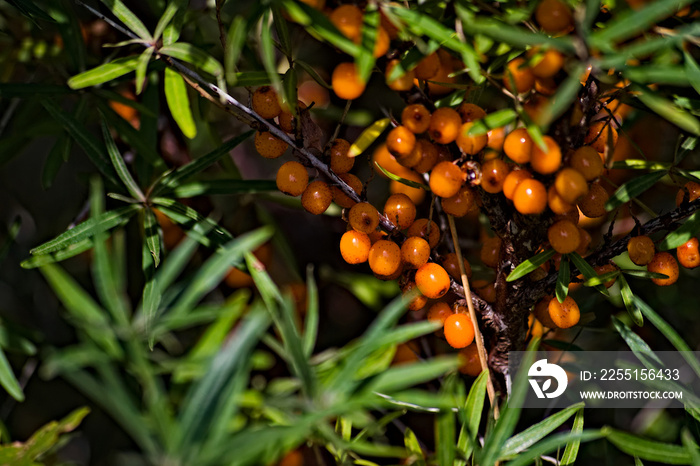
[(541, 312), (266, 103), (557, 204), (491, 251), (519, 73), (354, 247), (459, 330), (470, 362), (451, 265), (346, 81), (287, 121), (415, 251), (548, 63), (402, 83), (512, 181), (340, 162), (412, 159), (292, 178), (530, 197), (388, 162), (384, 257), (342, 199), (381, 46), (269, 146), (593, 203), (416, 303), (588, 162), (428, 231), (316, 197), (641, 250), (348, 19), (470, 112), (400, 142), (428, 158), (597, 136), (496, 138), (585, 241), (432, 280), (444, 125), (470, 144), (493, 175), (564, 236), (428, 67), (553, 16), (693, 190), (664, 263), (460, 204), (546, 162), (439, 312), (400, 210), (295, 457), (363, 217), (416, 194), (518, 146), (570, 185), (445, 179), (416, 118), (442, 76), (565, 314), (688, 255)]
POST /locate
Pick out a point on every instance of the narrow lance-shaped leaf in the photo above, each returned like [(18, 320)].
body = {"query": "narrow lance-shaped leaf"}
[(152, 235), (179, 103), (683, 234), (633, 188), (368, 136), (445, 438), (473, 409), (370, 36), (563, 98), (412, 184), (8, 380), (553, 443), (140, 140), (493, 120), (191, 54), (142, 67), (58, 256), (167, 16), (628, 299), (647, 449), (120, 165), (692, 71), (563, 279), (224, 186), (289, 81), (668, 110), (129, 19), (234, 45), (267, 52), (104, 73), (151, 296), (571, 450), (312, 313), (530, 265)]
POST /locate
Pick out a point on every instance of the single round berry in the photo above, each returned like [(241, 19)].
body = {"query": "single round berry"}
[(426, 229), (460, 204), (444, 125), (340, 162), (530, 197), (428, 67), (381, 46), (342, 199), (468, 143), (348, 19), (546, 161), (416, 194), (497, 137), (268, 145), (641, 250), (598, 135), (664, 263), (570, 185), (450, 263), (688, 254), (491, 251), (354, 247), (316, 197), (412, 159), (287, 121), (363, 217), (292, 178), (587, 161), (553, 16), (266, 103), (400, 142), (415, 251), (493, 175), (547, 63), (564, 236), (520, 74), (439, 312), (470, 364), (541, 312), (416, 118), (428, 156), (690, 191), (557, 204), (565, 314), (384, 257), (470, 112), (401, 83), (400, 210), (512, 181), (419, 301), (459, 330), (593, 203), (346, 81), (518, 146), (445, 179)]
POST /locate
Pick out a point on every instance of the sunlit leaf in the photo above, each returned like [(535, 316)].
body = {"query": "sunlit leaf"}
[(179, 103), (368, 136)]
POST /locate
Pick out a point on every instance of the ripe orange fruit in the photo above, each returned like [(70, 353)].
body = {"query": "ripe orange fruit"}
[(688, 254), (354, 247), (342, 199), (548, 64), (512, 181), (428, 67), (547, 161), (493, 175), (445, 179), (428, 231), (459, 330), (402, 83), (592, 204), (553, 16), (664, 263), (384, 257), (416, 118), (428, 156), (530, 197), (287, 121), (541, 312), (363, 217), (340, 162), (348, 19), (316, 197), (520, 74), (292, 178), (400, 142), (565, 314), (346, 81), (496, 138), (419, 301), (564, 236), (444, 125), (381, 46), (570, 185), (460, 204), (470, 112), (400, 210), (265, 102), (597, 136), (415, 251), (451, 266), (470, 144), (432, 280), (518, 146), (471, 364), (641, 250), (693, 190), (439, 312), (269, 146), (588, 162)]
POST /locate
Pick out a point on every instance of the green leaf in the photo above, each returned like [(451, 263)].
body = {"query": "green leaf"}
[(642, 273), (87, 229), (657, 74), (683, 234), (129, 19), (473, 409), (58, 256), (167, 16), (290, 89), (204, 230), (267, 53), (47, 437), (692, 71), (365, 60), (530, 265), (668, 110), (445, 438), (282, 30), (120, 165), (571, 450), (563, 279), (601, 279), (493, 120), (151, 295), (633, 188), (561, 101), (407, 375), (224, 186), (587, 271), (533, 434), (691, 447), (628, 299), (368, 136), (401, 180), (313, 73), (58, 155), (640, 164), (236, 36), (141, 68), (104, 73), (647, 449), (312, 313), (413, 447), (553, 443), (191, 54), (136, 139), (8, 380), (152, 235), (179, 103), (635, 343)]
